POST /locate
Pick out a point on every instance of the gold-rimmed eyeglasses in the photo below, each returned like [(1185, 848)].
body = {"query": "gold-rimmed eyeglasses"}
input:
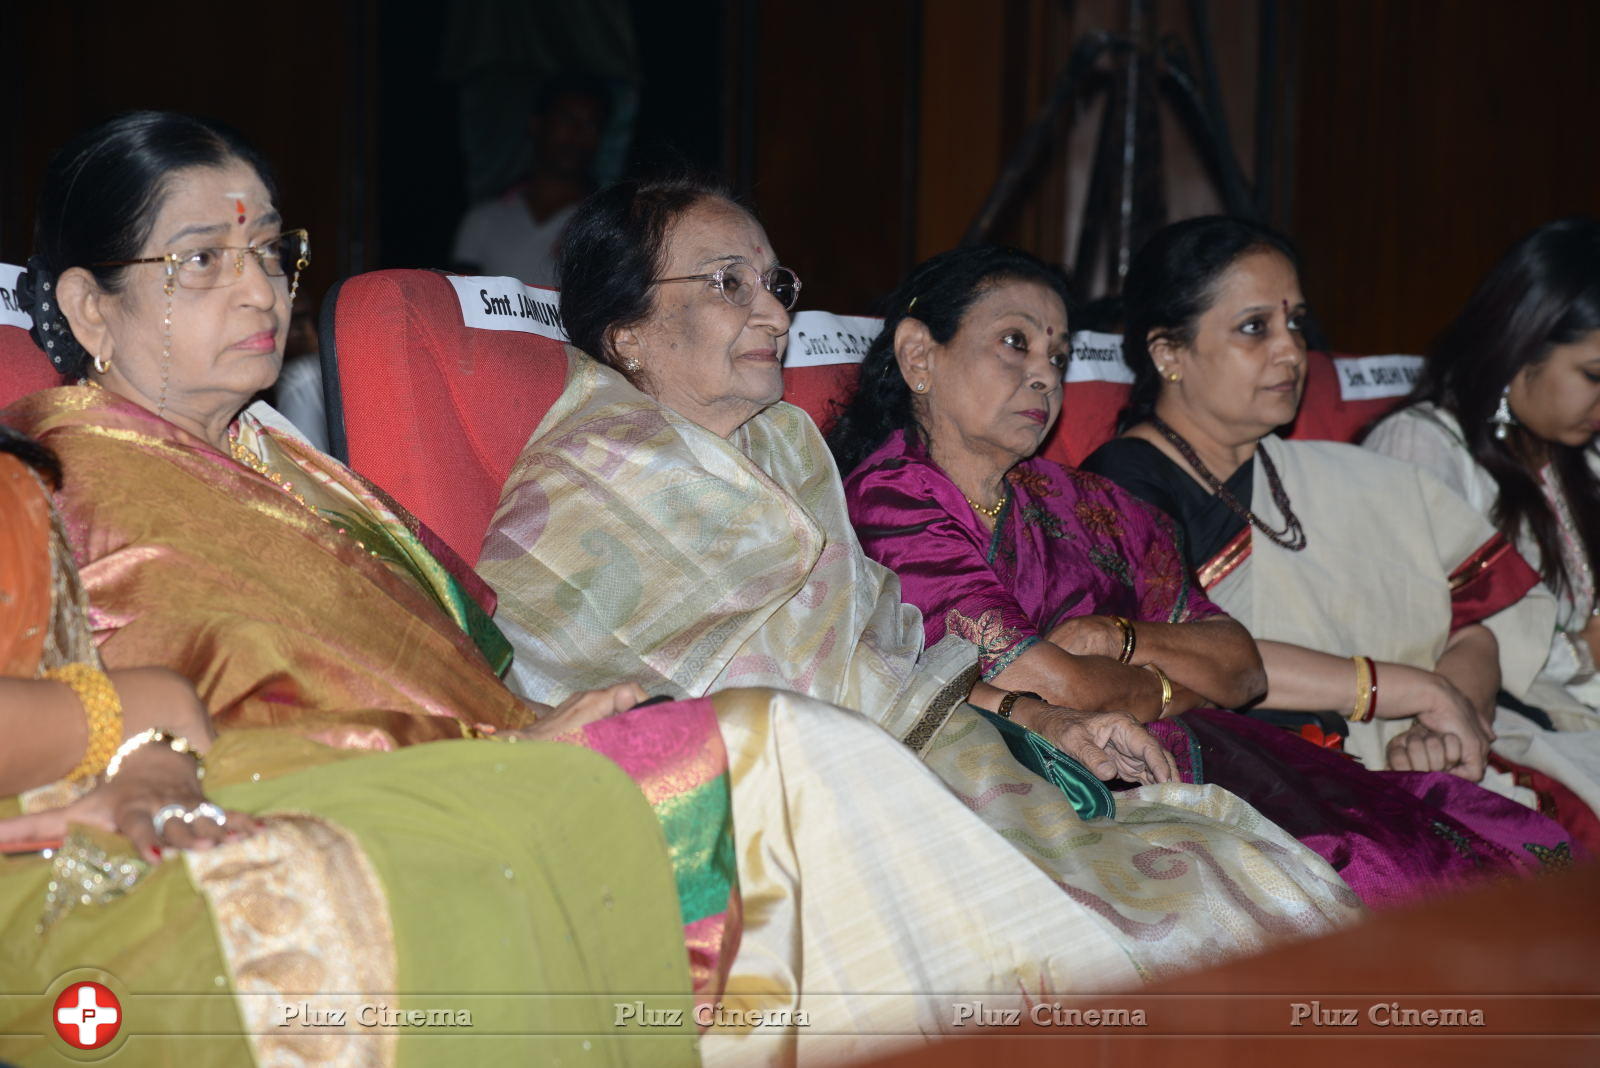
[(737, 283), (207, 268)]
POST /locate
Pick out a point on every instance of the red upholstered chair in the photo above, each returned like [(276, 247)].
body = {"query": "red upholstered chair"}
[(434, 383), (23, 368)]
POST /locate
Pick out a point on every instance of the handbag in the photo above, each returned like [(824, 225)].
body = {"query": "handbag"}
[(1088, 795)]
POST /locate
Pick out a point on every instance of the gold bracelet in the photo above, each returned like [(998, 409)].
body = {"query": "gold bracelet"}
[(1130, 638), (1362, 709), (1166, 689), (154, 736), (103, 710)]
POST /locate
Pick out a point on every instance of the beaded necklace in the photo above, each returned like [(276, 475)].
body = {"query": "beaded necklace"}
[(1293, 535), (992, 512)]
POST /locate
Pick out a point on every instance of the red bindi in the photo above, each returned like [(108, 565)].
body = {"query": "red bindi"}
[(238, 206), (1049, 331)]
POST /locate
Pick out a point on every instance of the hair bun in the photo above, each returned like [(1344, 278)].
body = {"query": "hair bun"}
[(36, 295)]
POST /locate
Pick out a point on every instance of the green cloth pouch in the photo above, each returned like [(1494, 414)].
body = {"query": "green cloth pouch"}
[(1088, 795)]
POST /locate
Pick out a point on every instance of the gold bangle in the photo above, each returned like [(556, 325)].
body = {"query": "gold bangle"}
[(154, 736), (1130, 638), (103, 710), (1166, 689), (1363, 706)]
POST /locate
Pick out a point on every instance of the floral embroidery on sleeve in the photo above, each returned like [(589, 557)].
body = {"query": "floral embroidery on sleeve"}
[(998, 645)]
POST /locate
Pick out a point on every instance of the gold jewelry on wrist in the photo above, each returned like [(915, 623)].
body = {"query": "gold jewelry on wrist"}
[(103, 710), (1004, 711), (1130, 638), (1166, 689), (154, 736), (1366, 689)]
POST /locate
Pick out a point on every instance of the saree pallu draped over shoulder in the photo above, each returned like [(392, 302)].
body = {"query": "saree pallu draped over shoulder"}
[(544, 861), (195, 563), (284, 619), (632, 544)]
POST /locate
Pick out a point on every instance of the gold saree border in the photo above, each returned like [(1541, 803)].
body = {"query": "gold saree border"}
[(299, 911), (1225, 562)]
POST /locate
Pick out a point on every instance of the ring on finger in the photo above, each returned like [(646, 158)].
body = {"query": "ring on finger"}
[(206, 810), (158, 821)]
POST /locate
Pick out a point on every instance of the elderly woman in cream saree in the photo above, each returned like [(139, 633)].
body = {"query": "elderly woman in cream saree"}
[(636, 543)]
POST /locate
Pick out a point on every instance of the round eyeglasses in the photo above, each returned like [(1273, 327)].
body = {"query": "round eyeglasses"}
[(737, 283), (223, 265)]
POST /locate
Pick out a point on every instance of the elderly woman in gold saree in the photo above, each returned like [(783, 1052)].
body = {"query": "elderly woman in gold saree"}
[(333, 898), (294, 595), (671, 524)]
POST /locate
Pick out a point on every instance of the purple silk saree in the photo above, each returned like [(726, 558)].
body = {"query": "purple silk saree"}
[(1070, 544)]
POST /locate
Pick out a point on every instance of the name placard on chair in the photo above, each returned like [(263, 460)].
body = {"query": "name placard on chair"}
[(1376, 377), (818, 338), (506, 304), (10, 313), (1097, 358)]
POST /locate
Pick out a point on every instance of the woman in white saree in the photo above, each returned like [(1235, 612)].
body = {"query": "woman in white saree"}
[(670, 522), (1505, 414), (1374, 591)]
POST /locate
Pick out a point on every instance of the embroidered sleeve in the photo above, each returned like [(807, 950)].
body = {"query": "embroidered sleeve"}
[(944, 571)]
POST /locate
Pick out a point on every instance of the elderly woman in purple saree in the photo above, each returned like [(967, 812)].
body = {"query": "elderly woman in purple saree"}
[(1026, 556)]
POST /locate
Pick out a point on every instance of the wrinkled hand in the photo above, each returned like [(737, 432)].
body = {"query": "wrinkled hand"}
[(1448, 736), (1088, 636), (151, 777), (1113, 745), (580, 709)]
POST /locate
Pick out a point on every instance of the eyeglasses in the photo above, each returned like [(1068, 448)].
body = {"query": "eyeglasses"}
[(737, 284), (207, 268)]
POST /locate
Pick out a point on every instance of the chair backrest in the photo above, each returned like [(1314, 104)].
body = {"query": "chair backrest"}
[(434, 383), (23, 368)]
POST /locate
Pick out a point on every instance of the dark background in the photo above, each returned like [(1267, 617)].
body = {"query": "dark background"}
[(1408, 141)]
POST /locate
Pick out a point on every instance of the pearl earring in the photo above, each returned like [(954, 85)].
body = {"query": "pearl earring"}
[(1502, 420)]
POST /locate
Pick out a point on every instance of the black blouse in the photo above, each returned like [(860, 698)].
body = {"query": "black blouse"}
[(1207, 524)]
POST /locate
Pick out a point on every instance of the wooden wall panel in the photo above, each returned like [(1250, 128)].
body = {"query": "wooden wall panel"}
[(1433, 135)]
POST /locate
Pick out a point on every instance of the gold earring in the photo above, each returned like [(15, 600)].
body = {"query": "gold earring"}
[(100, 366), (1172, 376)]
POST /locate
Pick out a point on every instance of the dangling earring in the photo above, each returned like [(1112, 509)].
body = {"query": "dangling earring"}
[(1502, 420)]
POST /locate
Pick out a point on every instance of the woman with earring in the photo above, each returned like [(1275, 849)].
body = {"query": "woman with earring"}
[(1506, 413), (1077, 591), (1375, 594)]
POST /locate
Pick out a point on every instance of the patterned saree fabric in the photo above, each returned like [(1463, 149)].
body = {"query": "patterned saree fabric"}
[(439, 879), (283, 618), (632, 544), (1068, 544)]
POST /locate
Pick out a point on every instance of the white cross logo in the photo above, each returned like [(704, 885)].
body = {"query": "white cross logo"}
[(88, 1015)]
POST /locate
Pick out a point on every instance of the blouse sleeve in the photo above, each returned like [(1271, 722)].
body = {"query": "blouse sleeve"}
[(942, 567)]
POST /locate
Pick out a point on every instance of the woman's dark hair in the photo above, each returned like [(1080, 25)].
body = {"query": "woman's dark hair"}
[(937, 293), (31, 453), (101, 194), (612, 250), (1543, 293), (1171, 283)]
